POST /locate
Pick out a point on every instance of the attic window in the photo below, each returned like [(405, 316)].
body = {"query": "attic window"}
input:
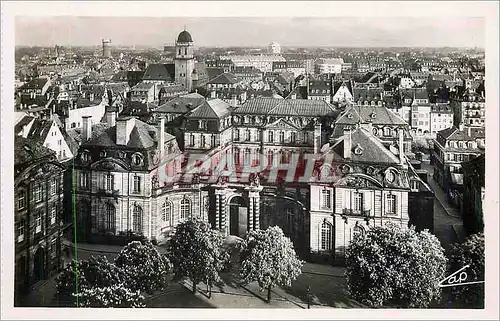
[(349, 116), (358, 150), (373, 115)]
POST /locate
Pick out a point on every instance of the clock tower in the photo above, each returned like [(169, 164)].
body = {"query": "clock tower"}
[(184, 60)]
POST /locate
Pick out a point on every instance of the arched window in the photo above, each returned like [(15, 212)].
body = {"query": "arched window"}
[(166, 213), (357, 231), (326, 236), (271, 136), (270, 155), (246, 157), (109, 219), (185, 209), (137, 220)]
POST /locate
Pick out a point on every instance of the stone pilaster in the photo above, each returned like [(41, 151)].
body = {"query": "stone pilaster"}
[(251, 212), (217, 210), (254, 206), (224, 225)]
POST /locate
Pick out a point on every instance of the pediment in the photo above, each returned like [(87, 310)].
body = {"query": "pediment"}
[(110, 165), (282, 124)]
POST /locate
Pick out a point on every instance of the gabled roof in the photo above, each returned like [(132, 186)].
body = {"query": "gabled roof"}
[(282, 123), (286, 107), (182, 104), (24, 121), (160, 72), (142, 136), (26, 150), (36, 83), (211, 109), (377, 115), (455, 133), (225, 78), (373, 151)]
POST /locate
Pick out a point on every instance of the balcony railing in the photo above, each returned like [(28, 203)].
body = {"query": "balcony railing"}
[(352, 212)]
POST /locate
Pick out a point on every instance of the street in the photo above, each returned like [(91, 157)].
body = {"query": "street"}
[(448, 225)]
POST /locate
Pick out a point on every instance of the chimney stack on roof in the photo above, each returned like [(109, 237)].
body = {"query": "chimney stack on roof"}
[(317, 136), (401, 146), (124, 127), (87, 128), (161, 140), (347, 143), (111, 116)]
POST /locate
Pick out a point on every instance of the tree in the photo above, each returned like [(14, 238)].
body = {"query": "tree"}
[(268, 257), (114, 296), (80, 275), (196, 252), (471, 253), (395, 266), (146, 269)]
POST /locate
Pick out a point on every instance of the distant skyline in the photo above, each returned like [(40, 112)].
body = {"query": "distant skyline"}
[(249, 31)]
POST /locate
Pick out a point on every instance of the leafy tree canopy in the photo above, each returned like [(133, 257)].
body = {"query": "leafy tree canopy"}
[(395, 266)]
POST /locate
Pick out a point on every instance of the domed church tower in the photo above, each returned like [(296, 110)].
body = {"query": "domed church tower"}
[(184, 60)]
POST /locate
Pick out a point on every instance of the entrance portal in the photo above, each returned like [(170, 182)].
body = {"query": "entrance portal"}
[(39, 264), (238, 216)]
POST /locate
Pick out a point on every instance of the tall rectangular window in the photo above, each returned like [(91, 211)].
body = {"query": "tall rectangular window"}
[(391, 204), (247, 135), (53, 248), (21, 200), (38, 222), (53, 186), (191, 140), (37, 192), (110, 182), (326, 199), (84, 180), (326, 236), (358, 202), (53, 214), (270, 136), (20, 232), (282, 137), (137, 184)]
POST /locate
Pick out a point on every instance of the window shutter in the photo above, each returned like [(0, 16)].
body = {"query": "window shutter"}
[(338, 200), (367, 202)]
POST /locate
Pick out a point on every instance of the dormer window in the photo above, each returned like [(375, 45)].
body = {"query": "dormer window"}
[(390, 177), (373, 115), (358, 150), (137, 159)]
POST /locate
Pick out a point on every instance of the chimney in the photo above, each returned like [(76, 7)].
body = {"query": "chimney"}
[(161, 140), (234, 101), (401, 144), (124, 127), (87, 127), (461, 127), (469, 131), (111, 117), (347, 143), (317, 136), (213, 94)]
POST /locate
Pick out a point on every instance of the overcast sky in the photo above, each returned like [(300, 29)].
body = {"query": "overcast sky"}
[(335, 31)]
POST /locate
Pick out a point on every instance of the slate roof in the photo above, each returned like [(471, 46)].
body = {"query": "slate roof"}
[(377, 115), (454, 133), (180, 105), (27, 150), (24, 121), (160, 72), (39, 100), (214, 72), (211, 109), (373, 149), (441, 108), (225, 78), (142, 86), (142, 136), (367, 94), (36, 83), (285, 107)]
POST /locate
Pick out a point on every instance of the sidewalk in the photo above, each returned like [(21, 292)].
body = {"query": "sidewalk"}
[(441, 197)]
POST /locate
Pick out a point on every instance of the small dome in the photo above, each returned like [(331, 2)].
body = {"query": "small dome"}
[(184, 36)]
